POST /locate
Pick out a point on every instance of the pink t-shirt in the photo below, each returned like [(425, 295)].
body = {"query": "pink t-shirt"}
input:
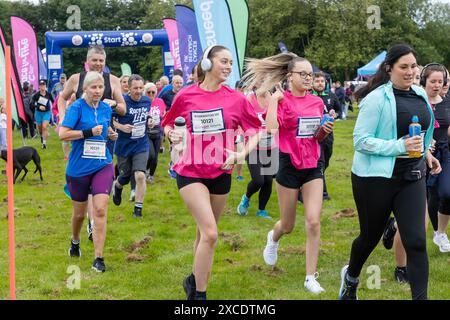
[(157, 110), (299, 118), (212, 119), (267, 141)]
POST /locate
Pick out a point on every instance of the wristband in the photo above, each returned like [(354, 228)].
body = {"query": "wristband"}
[(87, 133)]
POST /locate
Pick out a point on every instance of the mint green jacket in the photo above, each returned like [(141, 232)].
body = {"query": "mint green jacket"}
[(375, 134)]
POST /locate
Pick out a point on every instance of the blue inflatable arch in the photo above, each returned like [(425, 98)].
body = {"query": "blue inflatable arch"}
[(56, 41)]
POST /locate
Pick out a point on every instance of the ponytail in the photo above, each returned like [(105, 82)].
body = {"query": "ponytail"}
[(264, 74)]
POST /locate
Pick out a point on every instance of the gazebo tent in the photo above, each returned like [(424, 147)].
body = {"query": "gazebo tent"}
[(371, 68)]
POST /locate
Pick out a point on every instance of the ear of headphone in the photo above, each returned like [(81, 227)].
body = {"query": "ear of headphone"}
[(423, 79), (206, 63)]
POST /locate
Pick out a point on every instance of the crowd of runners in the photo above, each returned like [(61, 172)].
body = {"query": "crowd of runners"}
[(279, 121)]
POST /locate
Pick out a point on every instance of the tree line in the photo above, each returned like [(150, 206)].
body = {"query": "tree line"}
[(336, 35)]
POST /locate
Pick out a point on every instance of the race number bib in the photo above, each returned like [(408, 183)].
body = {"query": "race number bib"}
[(307, 126), (94, 149), (138, 130), (43, 101), (207, 121)]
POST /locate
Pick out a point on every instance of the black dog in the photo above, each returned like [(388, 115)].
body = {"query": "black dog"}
[(21, 157)]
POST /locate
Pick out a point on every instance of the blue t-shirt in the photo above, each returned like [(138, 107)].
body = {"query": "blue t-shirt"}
[(164, 90), (137, 114), (87, 155)]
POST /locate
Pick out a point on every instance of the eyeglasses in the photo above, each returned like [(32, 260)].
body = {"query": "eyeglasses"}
[(303, 74)]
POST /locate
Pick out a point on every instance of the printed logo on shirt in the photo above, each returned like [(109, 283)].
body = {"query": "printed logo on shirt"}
[(207, 121), (307, 126), (155, 113)]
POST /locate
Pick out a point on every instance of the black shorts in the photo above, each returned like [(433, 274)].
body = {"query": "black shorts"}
[(220, 185), (290, 177)]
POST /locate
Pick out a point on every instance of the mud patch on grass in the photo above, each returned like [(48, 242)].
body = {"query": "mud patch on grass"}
[(344, 213), (233, 240)]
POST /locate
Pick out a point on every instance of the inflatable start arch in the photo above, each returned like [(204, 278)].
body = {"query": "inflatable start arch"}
[(56, 41)]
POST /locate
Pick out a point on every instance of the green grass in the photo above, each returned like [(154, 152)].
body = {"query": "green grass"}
[(43, 234)]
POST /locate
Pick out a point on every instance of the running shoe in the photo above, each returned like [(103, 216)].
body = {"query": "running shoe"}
[(242, 208), (44, 146), (172, 173), (401, 275), (240, 178), (263, 214), (99, 265), (389, 233), (117, 194), (137, 214), (189, 287), (74, 250), (348, 289), (312, 285), (132, 195), (326, 196), (270, 252), (441, 240), (89, 229), (150, 179)]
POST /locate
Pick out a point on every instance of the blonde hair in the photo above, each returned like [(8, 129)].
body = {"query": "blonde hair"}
[(91, 77), (264, 74)]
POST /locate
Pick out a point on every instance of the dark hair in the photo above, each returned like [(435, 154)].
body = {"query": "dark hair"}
[(25, 86), (217, 48), (134, 77), (382, 76), (319, 74), (434, 67), (178, 72), (238, 85)]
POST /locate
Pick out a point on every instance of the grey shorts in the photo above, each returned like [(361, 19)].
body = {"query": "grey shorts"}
[(128, 165)]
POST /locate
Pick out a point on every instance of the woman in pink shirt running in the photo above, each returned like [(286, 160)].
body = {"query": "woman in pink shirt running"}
[(297, 115), (212, 114)]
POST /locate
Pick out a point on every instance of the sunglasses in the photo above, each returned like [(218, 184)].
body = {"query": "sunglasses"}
[(153, 92)]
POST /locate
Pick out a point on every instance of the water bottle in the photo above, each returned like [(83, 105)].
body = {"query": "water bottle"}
[(414, 130), (180, 126), (177, 149), (320, 134)]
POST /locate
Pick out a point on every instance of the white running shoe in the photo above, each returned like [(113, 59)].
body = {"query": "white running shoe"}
[(441, 240), (312, 285), (270, 252), (132, 195)]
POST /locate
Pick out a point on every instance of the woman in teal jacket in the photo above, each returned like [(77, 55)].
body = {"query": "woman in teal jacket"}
[(385, 178)]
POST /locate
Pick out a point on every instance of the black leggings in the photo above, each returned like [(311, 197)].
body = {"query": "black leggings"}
[(153, 155), (258, 164), (326, 151), (375, 199)]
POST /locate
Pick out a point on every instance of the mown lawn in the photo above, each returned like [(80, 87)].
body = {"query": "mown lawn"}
[(148, 258)]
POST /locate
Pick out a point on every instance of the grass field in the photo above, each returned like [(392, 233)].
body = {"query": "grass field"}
[(148, 258)]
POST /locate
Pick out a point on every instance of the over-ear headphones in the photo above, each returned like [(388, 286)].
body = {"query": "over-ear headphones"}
[(423, 79), (206, 63)]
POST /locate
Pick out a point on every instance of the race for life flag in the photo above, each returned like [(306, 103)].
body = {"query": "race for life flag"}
[(239, 14), (25, 51), (190, 46), (16, 97), (174, 44), (215, 28)]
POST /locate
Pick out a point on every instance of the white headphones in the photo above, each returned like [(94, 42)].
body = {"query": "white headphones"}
[(206, 63)]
